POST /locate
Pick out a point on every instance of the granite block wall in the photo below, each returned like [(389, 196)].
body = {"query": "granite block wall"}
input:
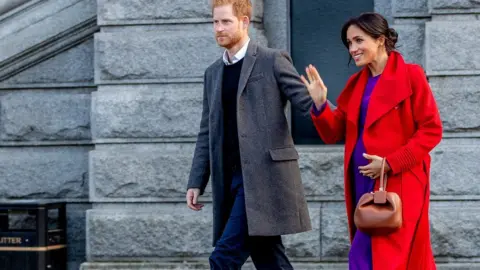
[(90, 98)]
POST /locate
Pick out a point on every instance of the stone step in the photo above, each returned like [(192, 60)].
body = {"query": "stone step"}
[(247, 266)]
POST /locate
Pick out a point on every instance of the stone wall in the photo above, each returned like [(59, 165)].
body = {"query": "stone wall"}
[(100, 103), (138, 189), (46, 81)]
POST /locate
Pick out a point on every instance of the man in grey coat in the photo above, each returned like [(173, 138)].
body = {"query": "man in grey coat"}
[(245, 146)]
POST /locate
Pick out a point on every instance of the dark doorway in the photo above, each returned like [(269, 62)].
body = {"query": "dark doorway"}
[(315, 39)]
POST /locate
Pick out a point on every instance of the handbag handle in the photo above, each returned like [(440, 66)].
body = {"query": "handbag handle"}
[(383, 177)]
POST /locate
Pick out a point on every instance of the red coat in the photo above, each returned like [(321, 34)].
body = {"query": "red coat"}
[(402, 124)]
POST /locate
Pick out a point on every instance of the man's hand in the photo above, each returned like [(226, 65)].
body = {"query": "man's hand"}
[(192, 199), (373, 169)]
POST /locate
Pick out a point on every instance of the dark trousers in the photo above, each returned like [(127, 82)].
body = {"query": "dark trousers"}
[(235, 245)]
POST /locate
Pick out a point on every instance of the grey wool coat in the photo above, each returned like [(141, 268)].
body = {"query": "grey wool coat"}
[(274, 194)]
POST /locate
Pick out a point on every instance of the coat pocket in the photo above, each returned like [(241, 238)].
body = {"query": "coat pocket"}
[(255, 77), (284, 153)]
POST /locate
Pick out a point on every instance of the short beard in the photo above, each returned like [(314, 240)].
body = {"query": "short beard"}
[(234, 41)]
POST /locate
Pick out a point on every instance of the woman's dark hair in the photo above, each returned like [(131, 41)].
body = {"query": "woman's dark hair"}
[(375, 25)]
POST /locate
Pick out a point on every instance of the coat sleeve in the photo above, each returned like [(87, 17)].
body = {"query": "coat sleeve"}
[(200, 171), (289, 82), (330, 123), (428, 123)]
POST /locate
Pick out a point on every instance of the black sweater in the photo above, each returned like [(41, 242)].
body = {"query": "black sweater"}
[(231, 152)]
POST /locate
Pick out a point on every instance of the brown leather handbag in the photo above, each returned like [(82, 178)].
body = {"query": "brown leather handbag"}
[(379, 212)]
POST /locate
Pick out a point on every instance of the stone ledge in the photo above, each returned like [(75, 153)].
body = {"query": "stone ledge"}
[(310, 199), (47, 143), (47, 86), (203, 265), (200, 266)]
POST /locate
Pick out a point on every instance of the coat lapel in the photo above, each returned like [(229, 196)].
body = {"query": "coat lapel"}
[(216, 111), (392, 88), (247, 67), (357, 88), (217, 86)]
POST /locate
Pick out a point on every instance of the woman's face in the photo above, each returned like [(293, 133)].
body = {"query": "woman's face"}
[(363, 48)]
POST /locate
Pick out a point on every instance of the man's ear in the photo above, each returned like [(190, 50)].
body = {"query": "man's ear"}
[(245, 21)]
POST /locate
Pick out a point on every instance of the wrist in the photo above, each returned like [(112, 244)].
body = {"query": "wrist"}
[(319, 103), (387, 166)]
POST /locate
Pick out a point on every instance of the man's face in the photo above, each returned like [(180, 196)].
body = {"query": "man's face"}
[(229, 30)]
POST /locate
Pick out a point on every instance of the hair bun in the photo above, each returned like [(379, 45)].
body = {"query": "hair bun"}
[(392, 35)]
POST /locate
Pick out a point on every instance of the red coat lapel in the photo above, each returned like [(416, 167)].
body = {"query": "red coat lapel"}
[(355, 101), (392, 88), (350, 99)]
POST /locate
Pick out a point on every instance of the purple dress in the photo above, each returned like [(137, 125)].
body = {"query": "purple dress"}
[(360, 257)]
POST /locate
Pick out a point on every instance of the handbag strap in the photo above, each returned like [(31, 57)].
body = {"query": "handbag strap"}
[(383, 177)]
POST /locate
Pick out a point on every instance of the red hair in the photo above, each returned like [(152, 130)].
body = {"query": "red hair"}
[(240, 7)]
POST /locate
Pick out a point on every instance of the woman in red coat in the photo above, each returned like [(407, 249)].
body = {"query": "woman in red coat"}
[(387, 110)]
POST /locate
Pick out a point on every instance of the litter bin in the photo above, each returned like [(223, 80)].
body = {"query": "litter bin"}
[(33, 235)]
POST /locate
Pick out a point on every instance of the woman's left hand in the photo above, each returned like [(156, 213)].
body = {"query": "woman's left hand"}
[(373, 169)]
